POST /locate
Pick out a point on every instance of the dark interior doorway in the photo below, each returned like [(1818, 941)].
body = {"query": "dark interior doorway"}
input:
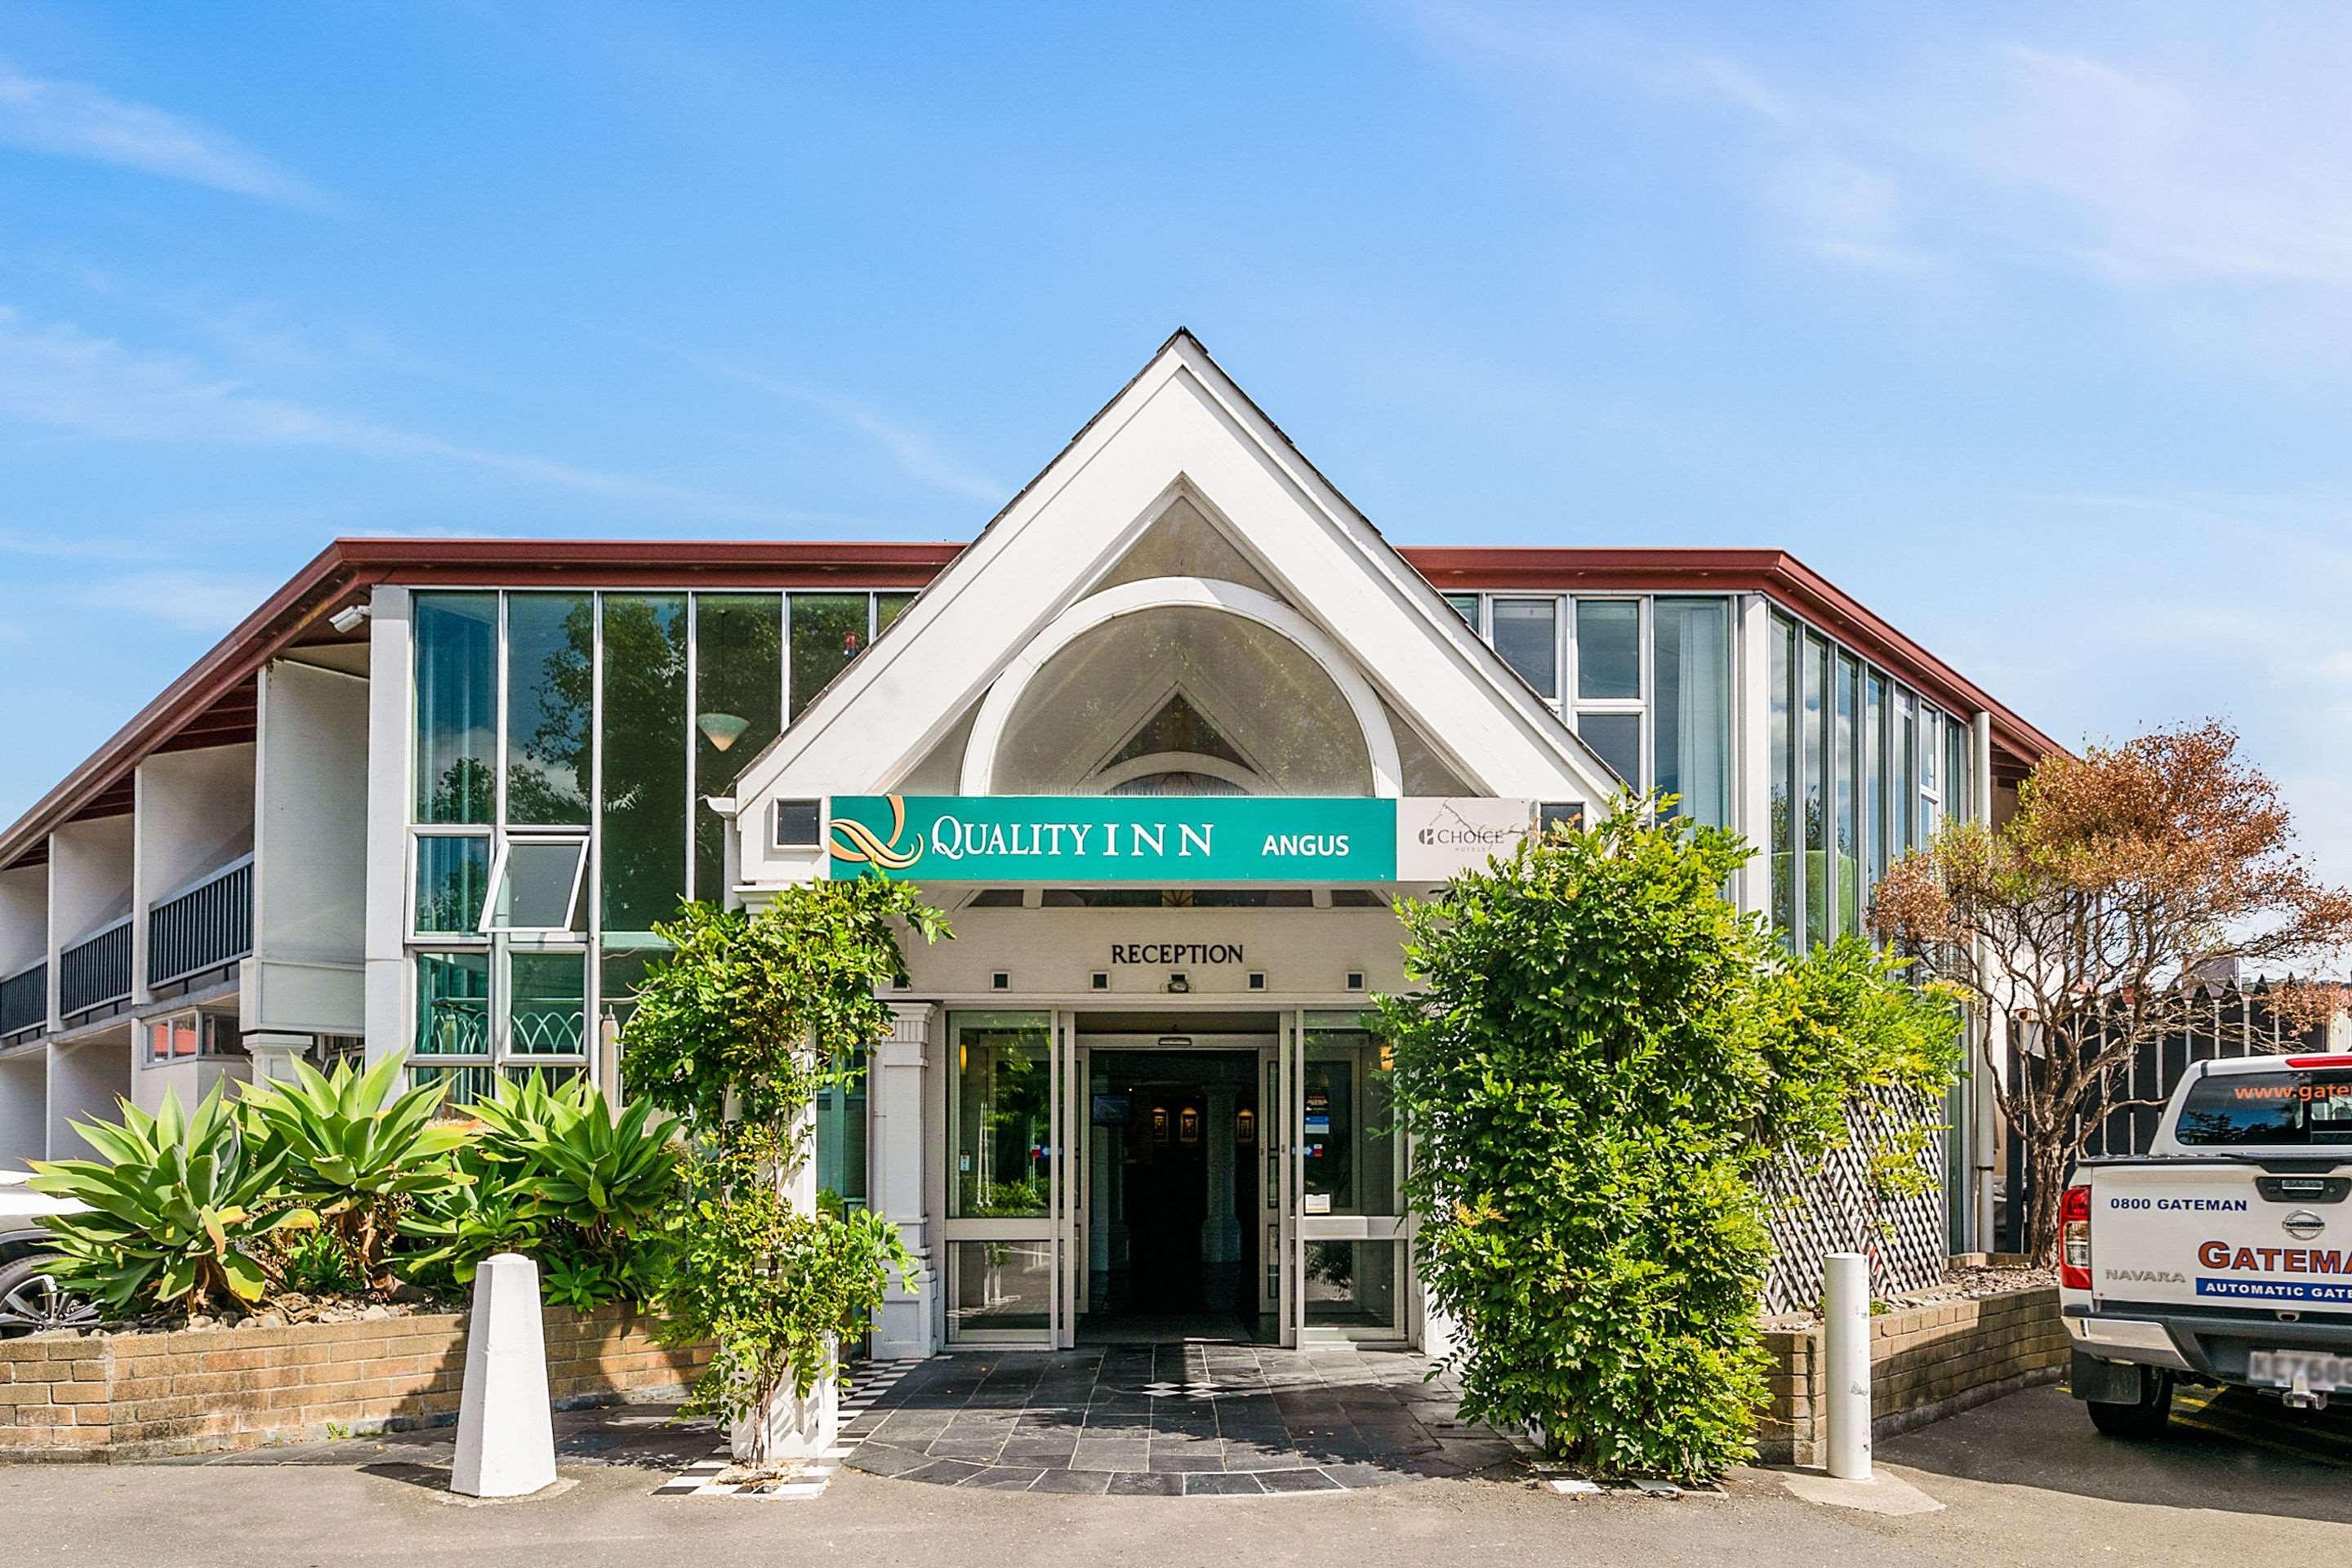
[(1174, 1199)]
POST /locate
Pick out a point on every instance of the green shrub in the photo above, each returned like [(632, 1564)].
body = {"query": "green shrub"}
[(182, 1209), (355, 1152), (447, 1234), (1599, 1054), (314, 1263)]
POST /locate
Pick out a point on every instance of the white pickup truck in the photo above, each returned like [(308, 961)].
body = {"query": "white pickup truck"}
[(2225, 1254)]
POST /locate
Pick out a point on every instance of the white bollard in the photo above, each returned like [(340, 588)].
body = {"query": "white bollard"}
[(1845, 1376), (506, 1436)]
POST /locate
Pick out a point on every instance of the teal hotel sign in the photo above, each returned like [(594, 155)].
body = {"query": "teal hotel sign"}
[(1116, 838)]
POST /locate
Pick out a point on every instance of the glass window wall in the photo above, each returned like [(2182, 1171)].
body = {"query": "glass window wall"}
[(1608, 649), (739, 693), (550, 697), (1816, 794), (643, 864), (1847, 760), (1692, 746), (1783, 828), (453, 873), (828, 630)]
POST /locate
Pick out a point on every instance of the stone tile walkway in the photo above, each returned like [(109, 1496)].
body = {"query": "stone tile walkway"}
[(1174, 1420)]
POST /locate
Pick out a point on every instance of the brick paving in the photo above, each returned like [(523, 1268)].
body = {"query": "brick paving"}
[(1173, 1420)]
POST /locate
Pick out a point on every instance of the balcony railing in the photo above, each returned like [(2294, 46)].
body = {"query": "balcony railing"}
[(24, 1000), (204, 926), (95, 971)]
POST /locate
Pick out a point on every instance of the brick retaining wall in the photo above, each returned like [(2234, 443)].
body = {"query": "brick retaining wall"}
[(1926, 1362), (96, 1398)]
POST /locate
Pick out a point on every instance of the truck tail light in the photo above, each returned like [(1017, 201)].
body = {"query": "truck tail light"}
[(2074, 1239), (2330, 1061)]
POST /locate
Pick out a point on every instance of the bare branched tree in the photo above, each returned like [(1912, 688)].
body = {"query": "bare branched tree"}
[(2126, 875)]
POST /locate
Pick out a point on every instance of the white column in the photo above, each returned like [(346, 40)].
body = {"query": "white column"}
[(895, 1147), (505, 1433), (389, 725), (274, 1056), (1751, 730), (1845, 1363)]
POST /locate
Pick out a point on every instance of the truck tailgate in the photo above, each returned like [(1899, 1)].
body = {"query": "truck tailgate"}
[(2202, 1233)]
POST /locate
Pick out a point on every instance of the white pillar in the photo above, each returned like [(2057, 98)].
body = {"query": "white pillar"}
[(505, 1435), (390, 741), (1845, 1363), (274, 1056), (896, 1144)]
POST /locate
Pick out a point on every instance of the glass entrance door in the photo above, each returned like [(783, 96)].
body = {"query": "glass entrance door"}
[(1008, 1222), (1349, 1255)]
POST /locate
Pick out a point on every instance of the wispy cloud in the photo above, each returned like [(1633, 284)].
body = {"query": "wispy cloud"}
[(75, 119), (918, 455), (61, 378), (186, 601)]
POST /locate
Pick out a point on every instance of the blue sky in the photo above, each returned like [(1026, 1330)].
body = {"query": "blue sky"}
[(2026, 324)]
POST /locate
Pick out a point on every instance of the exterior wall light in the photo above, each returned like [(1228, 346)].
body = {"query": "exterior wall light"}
[(1178, 984), (723, 729), (1000, 980), (1100, 980)]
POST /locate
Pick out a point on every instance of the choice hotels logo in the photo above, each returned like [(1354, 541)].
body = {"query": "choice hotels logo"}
[(864, 848), (1452, 827)]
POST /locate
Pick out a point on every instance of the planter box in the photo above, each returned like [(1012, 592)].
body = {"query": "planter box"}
[(95, 1398), (1926, 1362)]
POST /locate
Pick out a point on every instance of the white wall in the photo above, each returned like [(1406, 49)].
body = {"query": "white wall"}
[(24, 1109), (90, 885), (195, 815), (310, 886), (24, 917), (1303, 952), (86, 1079)]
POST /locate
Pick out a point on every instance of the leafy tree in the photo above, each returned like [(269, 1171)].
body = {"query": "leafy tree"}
[(737, 1030), (2125, 874), (1599, 1055)]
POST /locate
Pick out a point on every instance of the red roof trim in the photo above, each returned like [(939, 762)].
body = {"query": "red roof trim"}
[(334, 576)]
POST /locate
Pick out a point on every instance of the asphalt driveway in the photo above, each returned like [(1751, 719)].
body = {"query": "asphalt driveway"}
[(2023, 1480)]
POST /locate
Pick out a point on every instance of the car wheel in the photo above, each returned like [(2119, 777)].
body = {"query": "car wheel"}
[(31, 1301), (2143, 1419)]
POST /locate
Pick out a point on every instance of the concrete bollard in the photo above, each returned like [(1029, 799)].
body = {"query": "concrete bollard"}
[(1845, 1376), (505, 1435)]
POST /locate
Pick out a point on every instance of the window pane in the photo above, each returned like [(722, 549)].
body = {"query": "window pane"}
[(1002, 1286), (623, 970), (453, 1005), (1902, 786), (1351, 1284), (644, 848), (1784, 762), (1849, 859), (1618, 738), (1930, 754), (738, 697), (1350, 1129), (456, 695), (1466, 606), (1959, 742), (1003, 1117), (1693, 743), (550, 648), (1526, 634), (828, 631), (888, 607), (545, 1014), (536, 890), (452, 873), (1607, 648), (460, 1086), (1816, 678), (840, 1150)]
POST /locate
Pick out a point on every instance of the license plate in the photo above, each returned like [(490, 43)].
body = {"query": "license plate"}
[(2314, 1371)]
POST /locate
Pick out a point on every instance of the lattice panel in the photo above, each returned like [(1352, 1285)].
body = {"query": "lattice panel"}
[(1834, 1206)]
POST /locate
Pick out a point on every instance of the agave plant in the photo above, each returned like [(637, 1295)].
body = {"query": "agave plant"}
[(573, 1161), (355, 1152), (459, 1227), (179, 1203)]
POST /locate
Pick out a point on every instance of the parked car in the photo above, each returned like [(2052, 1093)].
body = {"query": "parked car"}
[(2223, 1256), (30, 1299)]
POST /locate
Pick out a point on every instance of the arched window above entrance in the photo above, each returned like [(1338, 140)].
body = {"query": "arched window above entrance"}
[(1182, 685)]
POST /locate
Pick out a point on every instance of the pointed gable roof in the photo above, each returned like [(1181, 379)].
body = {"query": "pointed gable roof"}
[(1180, 427)]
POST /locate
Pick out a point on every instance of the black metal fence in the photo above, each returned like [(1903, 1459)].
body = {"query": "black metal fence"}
[(206, 927), (95, 972), (2124, 1111), (24, 1000)]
